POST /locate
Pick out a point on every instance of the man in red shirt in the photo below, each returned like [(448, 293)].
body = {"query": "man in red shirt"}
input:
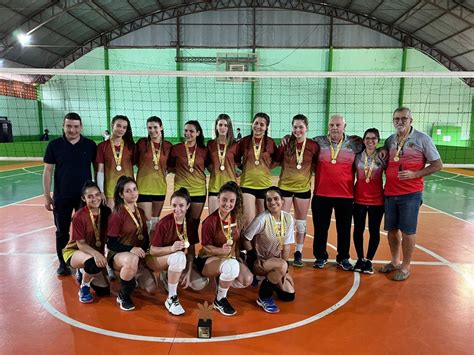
[(409, 151)]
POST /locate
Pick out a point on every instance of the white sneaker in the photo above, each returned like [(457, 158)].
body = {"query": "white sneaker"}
[(173, 306)]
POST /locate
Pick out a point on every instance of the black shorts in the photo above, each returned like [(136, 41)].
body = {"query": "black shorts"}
[(151, 198), (258, 193), (199, 263), (212, 194), (304, 195), (198, 199)]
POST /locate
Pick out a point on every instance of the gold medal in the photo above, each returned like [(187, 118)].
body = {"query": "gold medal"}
[(299, 155), (367, 180), (98, 244), (118, 167), (230, 242), (156, 167), (155, 155), (141, 237), (396, 158), (333, 161), (191, 170), (335, 153), (137, 220), (257, 162), (96, 227), (191, 157), (298, 167), (117, 155), (186, 244), (222, 168), (221, 154), (182, 236)]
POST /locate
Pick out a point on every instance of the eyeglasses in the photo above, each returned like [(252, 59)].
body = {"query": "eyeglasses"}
[(402, 119)]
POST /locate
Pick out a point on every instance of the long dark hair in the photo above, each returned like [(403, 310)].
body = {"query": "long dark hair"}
[(128, 136), (292, 143), (200, 137), (230, 130), (237, 212), (104, 210), (183, 193), (275, 189), (374, 131), (160, 122), (265, 136), (122, 181)]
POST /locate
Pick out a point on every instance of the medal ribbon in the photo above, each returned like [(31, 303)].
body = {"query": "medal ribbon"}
[(367, 169), (334, 154), (155, 154), (279, 229), (191, 157), (401, 144), (182, 236), (256, 150), (117, 157), (95, 226), (221, 154), (138, 222), (299, 155)]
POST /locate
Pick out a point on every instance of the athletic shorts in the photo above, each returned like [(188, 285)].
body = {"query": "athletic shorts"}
[(303, 195), (258, 193), (151, 198)]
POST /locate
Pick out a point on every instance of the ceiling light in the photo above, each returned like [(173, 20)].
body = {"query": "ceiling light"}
[(24, 39)]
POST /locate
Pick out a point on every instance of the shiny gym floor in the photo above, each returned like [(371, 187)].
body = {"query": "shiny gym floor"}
[(334, 312)]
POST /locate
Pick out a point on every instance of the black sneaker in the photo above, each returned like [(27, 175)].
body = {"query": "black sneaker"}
[(63, 270), (359, 266), (368, 269), (345, 265), (224, 307), (125, 303), (319, 263), (298, 262)]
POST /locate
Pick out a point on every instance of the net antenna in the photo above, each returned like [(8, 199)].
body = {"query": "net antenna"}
[(236, 62)]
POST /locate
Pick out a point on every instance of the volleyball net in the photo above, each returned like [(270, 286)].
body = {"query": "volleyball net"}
[(441, 103)]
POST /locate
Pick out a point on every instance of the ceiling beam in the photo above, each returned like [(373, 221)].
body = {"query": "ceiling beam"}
[(453, 35)]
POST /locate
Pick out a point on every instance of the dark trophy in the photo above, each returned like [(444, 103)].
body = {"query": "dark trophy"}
[(204, 327)]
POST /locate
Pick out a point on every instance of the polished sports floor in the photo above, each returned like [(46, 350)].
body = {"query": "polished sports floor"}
[(334, 312)]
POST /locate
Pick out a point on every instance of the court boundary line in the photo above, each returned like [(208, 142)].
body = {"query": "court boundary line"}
[(75, 323), (17, 202)]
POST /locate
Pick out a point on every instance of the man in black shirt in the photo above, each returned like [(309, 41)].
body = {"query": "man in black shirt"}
[(70, 157)]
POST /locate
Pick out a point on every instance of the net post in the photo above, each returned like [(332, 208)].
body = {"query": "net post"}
[(107, 89), (329, 87), (401, 92), (471, 130), (39, 105)]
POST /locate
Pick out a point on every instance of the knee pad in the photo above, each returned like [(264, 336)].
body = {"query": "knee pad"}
[(177, 261), (100, 290), (300, 226), (229, 270), (91, 268)]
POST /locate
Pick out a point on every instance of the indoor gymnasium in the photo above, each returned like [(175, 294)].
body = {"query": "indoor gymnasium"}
[(119, 87)]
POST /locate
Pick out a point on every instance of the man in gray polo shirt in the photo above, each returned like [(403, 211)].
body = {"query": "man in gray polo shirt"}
[(409, 152)]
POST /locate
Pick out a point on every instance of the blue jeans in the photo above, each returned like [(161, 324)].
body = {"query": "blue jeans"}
[(401, 212)]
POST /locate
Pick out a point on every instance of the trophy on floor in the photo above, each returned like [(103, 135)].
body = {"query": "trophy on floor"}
[(204, 327)]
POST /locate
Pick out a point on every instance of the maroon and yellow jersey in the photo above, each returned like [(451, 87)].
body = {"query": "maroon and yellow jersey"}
[(149, 180), (111, 175), (291, 178), (213, 234), (220, 177), (336, 180), (122, 226), (256, 176), (165, 232), (82, 229), (194, 181)]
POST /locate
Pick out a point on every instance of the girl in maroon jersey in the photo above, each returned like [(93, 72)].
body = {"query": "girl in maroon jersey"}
[(221, 153), (188, 161), (127, 239), (85, 250), (298, 156), (151, 155), (173, 248), (256, 153), (115, 157), (219, 254)]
